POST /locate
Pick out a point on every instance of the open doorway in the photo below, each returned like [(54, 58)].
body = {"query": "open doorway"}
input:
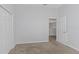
[(52, 29)]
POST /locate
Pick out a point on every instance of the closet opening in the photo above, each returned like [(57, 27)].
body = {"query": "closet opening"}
[(52, 29)]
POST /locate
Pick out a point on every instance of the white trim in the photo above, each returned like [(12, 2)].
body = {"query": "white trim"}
[(69, 45), (6, 10), (31, 42), (11, 48)]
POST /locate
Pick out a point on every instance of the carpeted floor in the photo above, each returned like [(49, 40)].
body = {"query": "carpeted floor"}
[(53, 47)]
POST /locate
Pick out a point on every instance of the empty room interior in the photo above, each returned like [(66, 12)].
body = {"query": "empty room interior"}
[(39, 28)]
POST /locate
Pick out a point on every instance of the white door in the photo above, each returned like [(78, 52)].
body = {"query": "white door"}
[(6, 33), (62, 29)]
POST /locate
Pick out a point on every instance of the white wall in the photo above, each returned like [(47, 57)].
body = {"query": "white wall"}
[(31, 23), (72, 16), (6, 32)]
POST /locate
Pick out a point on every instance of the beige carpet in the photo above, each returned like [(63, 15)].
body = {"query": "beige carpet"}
[(42, 48)]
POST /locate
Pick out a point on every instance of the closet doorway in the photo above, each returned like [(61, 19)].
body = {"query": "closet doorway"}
[(52, 29)]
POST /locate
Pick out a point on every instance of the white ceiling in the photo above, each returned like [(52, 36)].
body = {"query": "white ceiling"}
[(52, 5), (41, 5)]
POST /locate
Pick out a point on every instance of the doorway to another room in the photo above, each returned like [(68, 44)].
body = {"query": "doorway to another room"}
[(52, 29)]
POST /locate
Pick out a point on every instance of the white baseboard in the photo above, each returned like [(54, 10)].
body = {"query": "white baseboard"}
[(32, 42), (69, 45), (11, 48)]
